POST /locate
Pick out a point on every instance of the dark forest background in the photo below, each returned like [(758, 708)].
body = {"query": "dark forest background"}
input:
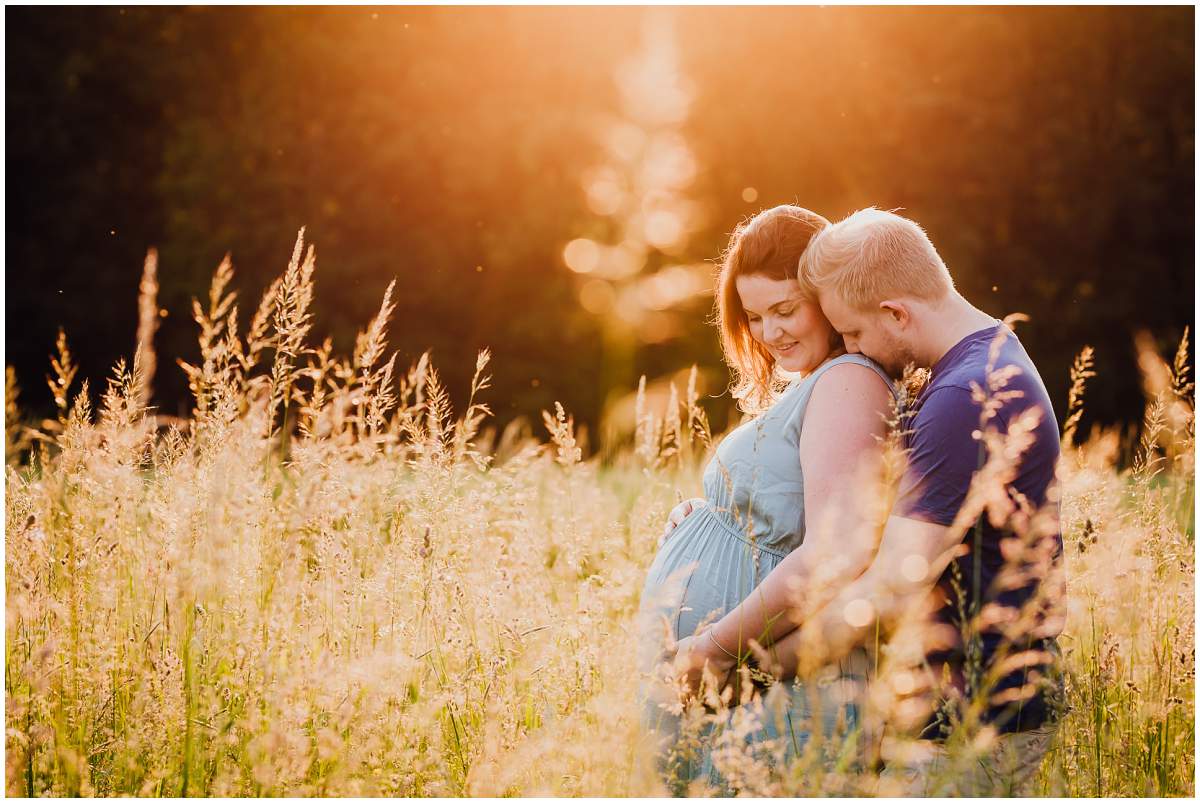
[(1049, 152)]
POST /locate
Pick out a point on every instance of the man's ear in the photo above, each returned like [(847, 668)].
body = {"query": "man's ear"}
[(897, 311)]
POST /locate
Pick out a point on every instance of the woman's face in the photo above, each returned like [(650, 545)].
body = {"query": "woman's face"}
[(792, 328)]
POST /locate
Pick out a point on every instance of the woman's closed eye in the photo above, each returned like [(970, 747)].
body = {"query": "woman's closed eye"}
[(782, 312)]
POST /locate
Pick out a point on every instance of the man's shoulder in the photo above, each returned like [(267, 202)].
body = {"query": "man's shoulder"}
[(953, 402), (980, 367), (946, 397)]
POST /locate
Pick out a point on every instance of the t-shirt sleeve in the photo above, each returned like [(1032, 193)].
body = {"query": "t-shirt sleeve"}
[(943, 456)]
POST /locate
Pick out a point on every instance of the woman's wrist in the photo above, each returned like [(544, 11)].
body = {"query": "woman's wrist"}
[(719, 651)]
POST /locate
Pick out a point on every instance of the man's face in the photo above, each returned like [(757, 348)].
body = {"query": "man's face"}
[(872, 333)]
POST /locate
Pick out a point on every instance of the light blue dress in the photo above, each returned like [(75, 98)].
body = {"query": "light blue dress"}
[(754, 488)]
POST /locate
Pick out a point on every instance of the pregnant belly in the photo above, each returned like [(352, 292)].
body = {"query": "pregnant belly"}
[(701, 573)]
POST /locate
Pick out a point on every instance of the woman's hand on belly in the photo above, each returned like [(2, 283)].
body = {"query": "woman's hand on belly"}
[(678, 514), (692, 655)]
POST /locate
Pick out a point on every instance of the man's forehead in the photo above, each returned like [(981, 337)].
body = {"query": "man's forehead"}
[(834, 308)]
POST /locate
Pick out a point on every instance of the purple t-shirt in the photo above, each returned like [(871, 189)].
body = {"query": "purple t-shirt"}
[(943, 455)]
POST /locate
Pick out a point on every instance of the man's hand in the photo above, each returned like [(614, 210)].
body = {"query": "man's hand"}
[(678, 514), (692, 655)]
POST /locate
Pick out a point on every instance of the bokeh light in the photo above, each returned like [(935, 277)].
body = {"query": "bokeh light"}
[(597, 296), (582, 255)]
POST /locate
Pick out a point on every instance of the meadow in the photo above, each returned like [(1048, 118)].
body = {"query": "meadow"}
[(328, 582)]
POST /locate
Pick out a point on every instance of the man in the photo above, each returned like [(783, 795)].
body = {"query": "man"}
[(973, 535)]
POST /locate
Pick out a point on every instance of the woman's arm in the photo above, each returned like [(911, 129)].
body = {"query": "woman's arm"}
[(840, 455)]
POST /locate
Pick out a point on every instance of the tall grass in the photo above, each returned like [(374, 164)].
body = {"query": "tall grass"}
[(326, 583)]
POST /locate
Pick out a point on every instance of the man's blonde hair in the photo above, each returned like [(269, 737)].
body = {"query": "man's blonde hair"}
[(872, 256)]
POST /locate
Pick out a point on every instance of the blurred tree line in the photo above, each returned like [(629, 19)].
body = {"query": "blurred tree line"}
[(1049, 153)]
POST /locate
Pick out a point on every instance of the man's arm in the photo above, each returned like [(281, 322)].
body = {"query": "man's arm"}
[(925, 528), (912, 555)]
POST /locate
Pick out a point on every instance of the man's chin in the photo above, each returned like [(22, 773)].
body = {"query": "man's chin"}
[(893, 363), (888, 364)]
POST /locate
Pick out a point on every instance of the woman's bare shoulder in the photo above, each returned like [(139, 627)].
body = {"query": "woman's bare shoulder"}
[(856, 374), (849, 391)]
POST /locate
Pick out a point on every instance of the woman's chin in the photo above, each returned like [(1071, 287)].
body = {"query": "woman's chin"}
[(797, 363), (793, 365)]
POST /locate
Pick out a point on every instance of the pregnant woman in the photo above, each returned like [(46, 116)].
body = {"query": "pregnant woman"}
[(790, 490)]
